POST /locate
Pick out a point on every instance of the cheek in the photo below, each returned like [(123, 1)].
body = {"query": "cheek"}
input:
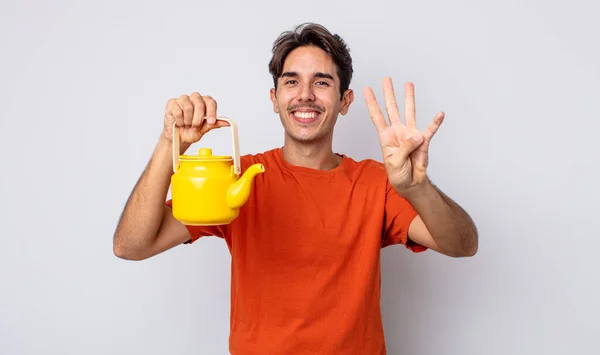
[(326, 100)]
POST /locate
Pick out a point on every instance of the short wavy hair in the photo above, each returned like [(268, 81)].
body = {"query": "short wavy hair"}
[(312, 34)]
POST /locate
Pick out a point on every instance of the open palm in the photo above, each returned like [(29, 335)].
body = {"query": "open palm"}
[(405, 149)]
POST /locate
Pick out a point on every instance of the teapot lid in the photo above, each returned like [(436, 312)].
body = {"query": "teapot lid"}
[(205, 154)]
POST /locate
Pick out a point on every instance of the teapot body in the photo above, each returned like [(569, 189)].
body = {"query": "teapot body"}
[(209, 190), (199, 192)]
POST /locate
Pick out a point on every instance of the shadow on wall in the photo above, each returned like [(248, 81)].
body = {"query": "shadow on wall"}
[(403, 292)]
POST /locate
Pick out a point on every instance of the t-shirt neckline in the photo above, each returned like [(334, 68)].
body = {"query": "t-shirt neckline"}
[(309, 171)]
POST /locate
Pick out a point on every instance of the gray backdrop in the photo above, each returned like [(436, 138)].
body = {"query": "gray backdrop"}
[(83, 86)]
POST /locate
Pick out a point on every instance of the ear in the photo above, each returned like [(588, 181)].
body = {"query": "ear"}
[(273, 95), (346, 101)]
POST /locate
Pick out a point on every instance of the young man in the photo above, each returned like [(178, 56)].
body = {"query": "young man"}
[(306, 246)]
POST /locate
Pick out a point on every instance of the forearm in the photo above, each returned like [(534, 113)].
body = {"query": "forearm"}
[(450, 226), (143, 212)]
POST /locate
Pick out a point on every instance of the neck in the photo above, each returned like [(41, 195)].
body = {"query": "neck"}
[(313, 155)]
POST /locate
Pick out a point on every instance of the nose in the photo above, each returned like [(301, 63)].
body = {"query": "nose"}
[(306, 92)]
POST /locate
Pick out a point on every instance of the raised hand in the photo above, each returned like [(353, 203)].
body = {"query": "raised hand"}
[(194, 115), (405, 149)]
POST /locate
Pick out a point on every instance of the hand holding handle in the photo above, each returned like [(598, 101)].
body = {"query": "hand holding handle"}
[(235, 141)]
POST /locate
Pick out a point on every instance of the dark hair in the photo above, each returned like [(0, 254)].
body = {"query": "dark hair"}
[(312, 34)]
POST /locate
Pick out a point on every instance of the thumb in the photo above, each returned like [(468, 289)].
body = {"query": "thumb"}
[(207, 127), (410, 143)]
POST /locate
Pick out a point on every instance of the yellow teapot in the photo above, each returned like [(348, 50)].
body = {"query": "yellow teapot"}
[(208, 190)]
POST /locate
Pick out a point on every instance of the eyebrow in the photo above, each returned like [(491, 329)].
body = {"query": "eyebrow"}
[(317, 74)]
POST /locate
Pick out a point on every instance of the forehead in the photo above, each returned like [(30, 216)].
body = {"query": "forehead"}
[(308, 60)]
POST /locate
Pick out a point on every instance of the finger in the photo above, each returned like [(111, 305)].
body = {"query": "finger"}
[(391, 106), (188, 109), (199, 109), (374, 111), (221, 123), (211, 109), (434, 126), (409, 105), (410, 144), (174, 110), (207, 127)]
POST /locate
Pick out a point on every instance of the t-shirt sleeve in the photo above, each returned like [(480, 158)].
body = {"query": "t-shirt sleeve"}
[(202, 231), (399, 213)]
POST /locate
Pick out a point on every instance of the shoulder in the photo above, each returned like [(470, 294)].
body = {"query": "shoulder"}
[(263, 158), (369, 169)]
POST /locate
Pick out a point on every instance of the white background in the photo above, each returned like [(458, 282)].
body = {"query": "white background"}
[(83, 86)]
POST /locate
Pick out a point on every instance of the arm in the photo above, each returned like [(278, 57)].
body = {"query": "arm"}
[(147, 226), (442, 224)]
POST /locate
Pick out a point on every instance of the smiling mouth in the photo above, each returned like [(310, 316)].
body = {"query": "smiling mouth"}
[(305, 116)]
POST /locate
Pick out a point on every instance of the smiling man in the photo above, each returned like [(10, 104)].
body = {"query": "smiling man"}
[(308, 96), (306, 246)]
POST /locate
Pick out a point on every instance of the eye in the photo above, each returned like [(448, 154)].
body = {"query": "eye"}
[(322, 83), (290, 82)]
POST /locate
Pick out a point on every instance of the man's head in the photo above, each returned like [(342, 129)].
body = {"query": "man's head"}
[(312, 71)]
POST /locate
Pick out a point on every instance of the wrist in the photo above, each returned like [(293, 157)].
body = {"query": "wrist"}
[(165, 144), (417, 192), (163, 154)]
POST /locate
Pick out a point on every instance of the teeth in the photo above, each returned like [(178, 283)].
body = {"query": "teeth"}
[(306, 115)]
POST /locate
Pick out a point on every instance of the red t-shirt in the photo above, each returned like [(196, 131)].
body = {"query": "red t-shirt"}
[(306, 257)]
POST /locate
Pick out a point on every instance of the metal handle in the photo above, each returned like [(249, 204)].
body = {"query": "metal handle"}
[(234, 136)]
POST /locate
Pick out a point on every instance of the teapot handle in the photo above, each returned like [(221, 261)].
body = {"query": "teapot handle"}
[(236, 145)]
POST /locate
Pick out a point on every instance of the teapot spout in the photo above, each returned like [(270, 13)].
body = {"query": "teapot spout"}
[(239, 191)]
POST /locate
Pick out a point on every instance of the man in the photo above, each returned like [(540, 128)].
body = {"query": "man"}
[(306, 246)]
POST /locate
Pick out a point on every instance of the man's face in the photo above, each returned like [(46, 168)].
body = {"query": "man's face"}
[(308, 95)]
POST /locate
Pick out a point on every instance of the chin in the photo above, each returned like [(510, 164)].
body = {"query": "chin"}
[(304, 134)]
